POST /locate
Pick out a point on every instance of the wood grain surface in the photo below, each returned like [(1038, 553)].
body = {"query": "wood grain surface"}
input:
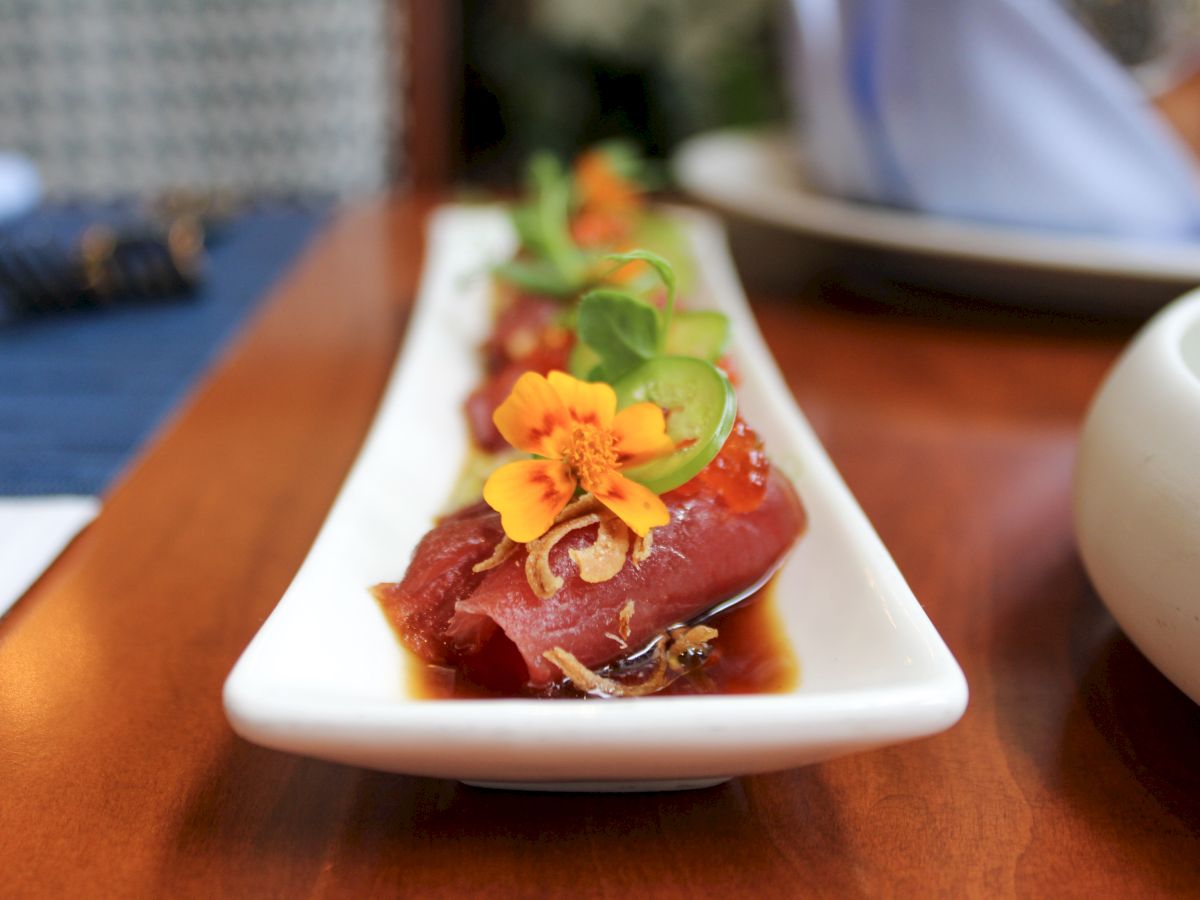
[(1073, 772)]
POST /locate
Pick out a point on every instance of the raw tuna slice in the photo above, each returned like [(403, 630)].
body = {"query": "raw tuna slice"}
[(519, 328), (705, 555), (440, 574)]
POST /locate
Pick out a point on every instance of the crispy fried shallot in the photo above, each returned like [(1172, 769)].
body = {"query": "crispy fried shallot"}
[(604, 559), (623, 629), (625, 617), (606, 556), (642, 547), (504, 549), (675, 653), (537, 565), (587, 503)]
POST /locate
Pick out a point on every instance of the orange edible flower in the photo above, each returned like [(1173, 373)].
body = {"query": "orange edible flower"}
[(583, 441)]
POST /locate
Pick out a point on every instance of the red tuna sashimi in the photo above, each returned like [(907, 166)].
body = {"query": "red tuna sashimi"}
[(440, 574), (705, 555), (519, 328)]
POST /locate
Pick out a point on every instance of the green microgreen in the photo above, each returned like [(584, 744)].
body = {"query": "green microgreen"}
[(555, 265), (621, 328), (666, 273)]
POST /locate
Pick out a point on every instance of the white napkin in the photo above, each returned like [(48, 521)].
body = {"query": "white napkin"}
[(1004, 111), (33, 531)]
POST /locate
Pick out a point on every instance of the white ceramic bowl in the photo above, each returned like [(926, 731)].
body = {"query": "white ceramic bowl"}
[(1137, 492)]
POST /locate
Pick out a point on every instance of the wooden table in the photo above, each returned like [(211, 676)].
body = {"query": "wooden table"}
[(1074, 770)]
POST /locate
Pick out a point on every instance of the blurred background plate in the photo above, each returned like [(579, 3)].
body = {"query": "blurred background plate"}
[(786, 233)]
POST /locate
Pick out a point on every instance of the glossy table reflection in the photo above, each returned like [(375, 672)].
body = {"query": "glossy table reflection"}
[(1072, 771)]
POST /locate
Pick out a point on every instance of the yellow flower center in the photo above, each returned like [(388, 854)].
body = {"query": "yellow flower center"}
[(591, 453)]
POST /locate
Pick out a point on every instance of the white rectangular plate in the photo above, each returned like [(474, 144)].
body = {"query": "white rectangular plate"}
[(326, 677)]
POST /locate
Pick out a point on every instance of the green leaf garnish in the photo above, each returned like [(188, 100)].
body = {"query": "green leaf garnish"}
[(621, 329), (665, 272), (618, 330), (558, 267)]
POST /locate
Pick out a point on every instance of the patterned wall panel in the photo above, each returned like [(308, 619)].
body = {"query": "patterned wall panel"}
[(134, 96)]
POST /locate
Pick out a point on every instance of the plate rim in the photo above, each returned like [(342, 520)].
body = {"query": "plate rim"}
[(787, 204)]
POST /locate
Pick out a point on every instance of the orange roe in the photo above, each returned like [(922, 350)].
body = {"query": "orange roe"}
[(609, 203), (726, 365), (739, 472)]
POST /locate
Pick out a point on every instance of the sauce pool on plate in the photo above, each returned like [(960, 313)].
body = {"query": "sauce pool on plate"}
[(750, 656)]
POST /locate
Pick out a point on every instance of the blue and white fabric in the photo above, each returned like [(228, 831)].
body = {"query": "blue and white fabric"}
[(1002, 111)]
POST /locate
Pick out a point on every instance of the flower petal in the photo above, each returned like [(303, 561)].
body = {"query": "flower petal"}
[(533, 417), (637, 506), (586, 403), (528, 495), (641, 434)]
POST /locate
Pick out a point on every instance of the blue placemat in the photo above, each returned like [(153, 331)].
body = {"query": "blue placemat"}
[(79, 392)]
